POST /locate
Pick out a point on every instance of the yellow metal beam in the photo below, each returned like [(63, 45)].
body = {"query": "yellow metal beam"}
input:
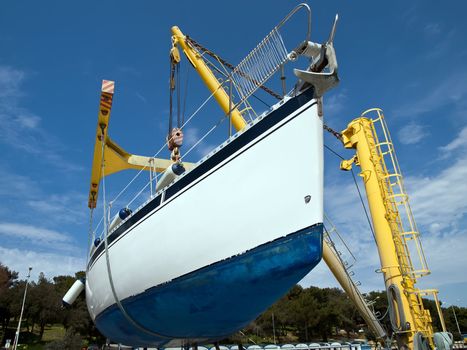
[(339, 272), (105, 106), (409, 315), (208, 78), (116, 158)]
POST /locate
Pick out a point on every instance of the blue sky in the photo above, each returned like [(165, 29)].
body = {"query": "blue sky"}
[(407, 58)]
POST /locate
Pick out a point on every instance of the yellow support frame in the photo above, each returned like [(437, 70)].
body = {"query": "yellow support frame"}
[(334, 261), (393, 224), (116, 158), (208, 77)]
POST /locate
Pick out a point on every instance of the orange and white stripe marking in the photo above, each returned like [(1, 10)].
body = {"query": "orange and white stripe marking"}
[(108, 86), (106, 100)]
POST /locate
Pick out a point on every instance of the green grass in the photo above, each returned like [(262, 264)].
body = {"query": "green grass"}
[(37, 346), (30, 341), (53, 332)]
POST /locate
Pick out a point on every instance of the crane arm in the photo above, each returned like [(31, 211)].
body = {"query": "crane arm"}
[(216, 88), (335, 264), (116, 158), (396, 234)]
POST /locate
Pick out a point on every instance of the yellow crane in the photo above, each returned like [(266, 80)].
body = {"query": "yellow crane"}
[(393, 222), (330, 255), (392, 218), (214, 86), (116, 158), (396, 233)]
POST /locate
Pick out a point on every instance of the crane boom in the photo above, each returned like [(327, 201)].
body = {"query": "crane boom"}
[(216, 88), (395, 229)]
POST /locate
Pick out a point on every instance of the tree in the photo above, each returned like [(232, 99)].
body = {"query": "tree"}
[(44, 303), (451, 325), (10, 296), (7, 278), (430, 305), (306, 314), (7, 281)]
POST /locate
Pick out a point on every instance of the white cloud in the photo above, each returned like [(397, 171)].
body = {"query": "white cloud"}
[(439, 201), (37, 238), (15, 185), (28, 121), (335, 103), (64, 207), (51, 264), (446, 258), (25, 192), (190, 137), (451, 90), (32, 233), (412, 133), (10, 82), (438, 48), (459, 142), (20, 128), (432, 29)]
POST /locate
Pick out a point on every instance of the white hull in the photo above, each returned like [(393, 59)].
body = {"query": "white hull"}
[(262, 185)]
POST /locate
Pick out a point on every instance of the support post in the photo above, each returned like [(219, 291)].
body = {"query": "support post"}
[(351, 290), (359, 136), (22, 309)]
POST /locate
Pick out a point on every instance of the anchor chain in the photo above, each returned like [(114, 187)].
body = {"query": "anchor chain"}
[(230, 66), (336, 134), (198, 46)]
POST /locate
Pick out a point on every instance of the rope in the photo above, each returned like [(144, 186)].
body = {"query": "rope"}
[(90, 237), (171, 91), (138, 194), (177, 87), (212, 129), (163, 147), (109, 271), (204, 136), (188, 152), (99, 223), (185, 92), (358, 190), (385, 314), (333, 152), (363, 205)]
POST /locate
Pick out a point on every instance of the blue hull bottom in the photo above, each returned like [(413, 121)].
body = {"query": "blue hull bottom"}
[(217, 300)]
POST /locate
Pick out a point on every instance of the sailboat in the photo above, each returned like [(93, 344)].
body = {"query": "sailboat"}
[(242, 232)]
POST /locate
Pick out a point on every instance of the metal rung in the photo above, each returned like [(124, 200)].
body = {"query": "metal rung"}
[(260, 64), (266, 58), (403, 223)]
